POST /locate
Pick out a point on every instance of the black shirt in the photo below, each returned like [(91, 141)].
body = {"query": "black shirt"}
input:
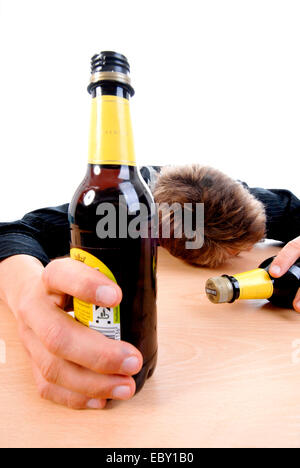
[(44, 233)]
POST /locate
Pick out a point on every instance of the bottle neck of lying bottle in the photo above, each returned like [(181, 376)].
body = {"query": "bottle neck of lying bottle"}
[(111, 138), (254, 284)]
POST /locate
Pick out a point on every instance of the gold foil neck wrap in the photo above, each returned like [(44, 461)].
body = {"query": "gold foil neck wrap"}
[(110, 76)]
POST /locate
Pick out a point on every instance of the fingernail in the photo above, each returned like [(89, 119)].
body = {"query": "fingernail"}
[(106, 295), (123, 392), (275, 270), (298, 306), (131, 365), (94, 404)]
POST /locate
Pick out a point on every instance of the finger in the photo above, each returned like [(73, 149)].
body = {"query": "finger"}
[(68, 339), (297, 302), (286, 258), (75, 378), (62, 396), (72, 277)]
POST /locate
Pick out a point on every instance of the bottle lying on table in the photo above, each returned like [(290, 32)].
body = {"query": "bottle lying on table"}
[(256, 284)]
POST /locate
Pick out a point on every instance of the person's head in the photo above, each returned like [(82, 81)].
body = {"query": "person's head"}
[(233, 219)]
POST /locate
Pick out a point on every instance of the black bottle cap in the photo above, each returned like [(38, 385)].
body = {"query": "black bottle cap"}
[(110, 66), (110, 61)]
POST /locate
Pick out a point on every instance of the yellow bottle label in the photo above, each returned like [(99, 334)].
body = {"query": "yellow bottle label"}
[(255, 284), (105, 320), (111, 138)]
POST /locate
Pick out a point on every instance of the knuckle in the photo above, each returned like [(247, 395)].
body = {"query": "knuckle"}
[(54, 338), (295, 244), (48, 271), (106, 361), (23, 309), (22, 329), (75, 402), (50, 370), (85, 286), (44, 390), (102, 391), (97, 393)]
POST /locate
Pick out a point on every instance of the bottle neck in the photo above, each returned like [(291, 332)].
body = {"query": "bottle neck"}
[(107, 175), (111, 137), (254, 284)]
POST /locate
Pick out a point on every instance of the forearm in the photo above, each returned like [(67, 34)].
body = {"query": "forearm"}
[(17, 274)]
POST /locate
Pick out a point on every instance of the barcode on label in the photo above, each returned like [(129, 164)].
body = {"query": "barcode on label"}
[(112, 333)]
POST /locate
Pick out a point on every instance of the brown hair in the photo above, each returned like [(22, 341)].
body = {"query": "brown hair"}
[(234, 220)]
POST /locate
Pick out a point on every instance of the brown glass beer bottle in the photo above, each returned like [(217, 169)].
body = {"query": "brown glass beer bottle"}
[(108, 231)]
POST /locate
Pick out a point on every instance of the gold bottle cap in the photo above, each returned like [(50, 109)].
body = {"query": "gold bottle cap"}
[(219, 290)]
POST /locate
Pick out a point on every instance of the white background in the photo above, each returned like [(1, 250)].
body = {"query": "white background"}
[(217, 82)]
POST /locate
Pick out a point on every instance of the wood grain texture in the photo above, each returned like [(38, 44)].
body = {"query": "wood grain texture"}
[(225, 377)]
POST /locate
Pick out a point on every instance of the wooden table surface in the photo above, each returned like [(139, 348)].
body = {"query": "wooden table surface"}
[(227, 376)]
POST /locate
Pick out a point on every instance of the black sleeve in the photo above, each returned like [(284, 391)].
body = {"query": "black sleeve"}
[(43, 234), (283, 213)]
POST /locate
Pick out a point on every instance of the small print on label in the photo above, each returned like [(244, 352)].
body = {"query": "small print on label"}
[(104, 322)]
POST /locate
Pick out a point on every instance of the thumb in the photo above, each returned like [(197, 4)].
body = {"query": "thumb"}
[(71, 277), (286, 258)]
